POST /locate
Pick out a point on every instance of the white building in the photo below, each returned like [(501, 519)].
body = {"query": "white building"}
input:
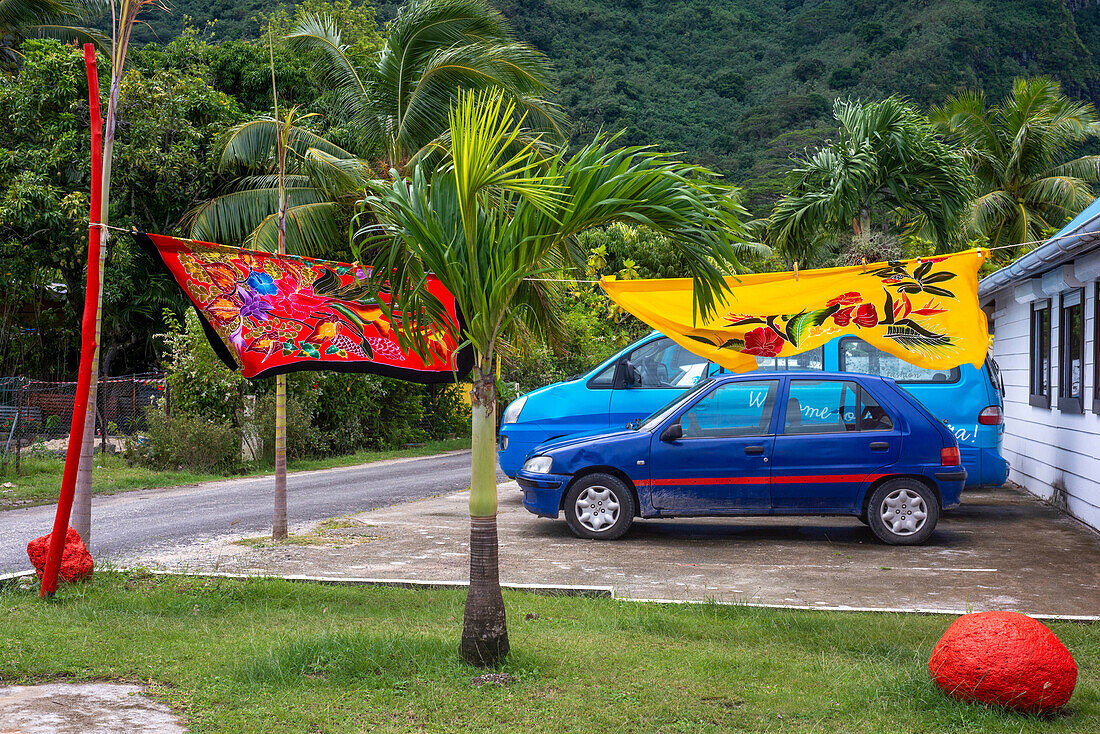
[(1043, 314)]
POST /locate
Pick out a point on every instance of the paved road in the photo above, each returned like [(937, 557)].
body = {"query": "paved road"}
[(145, 520)]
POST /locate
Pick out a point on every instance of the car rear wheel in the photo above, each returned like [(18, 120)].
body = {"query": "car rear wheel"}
[(599, 506), (903, 512)]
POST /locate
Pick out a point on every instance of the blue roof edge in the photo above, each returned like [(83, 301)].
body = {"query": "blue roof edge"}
[(1067, 242)]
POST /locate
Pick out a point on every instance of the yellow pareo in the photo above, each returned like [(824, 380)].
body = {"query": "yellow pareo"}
[(924, 311)]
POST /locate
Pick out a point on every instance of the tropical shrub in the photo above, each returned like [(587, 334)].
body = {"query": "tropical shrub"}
[(198, 383), (182, 440)]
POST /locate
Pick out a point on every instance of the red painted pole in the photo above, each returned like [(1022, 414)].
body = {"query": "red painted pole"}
[(87, 341)]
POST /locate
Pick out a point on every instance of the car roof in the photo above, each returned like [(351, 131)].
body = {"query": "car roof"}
[(807, 374)]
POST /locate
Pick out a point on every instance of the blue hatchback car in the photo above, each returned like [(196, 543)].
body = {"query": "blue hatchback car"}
[(792, 443)]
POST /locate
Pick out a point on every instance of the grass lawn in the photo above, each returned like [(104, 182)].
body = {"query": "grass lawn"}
[(39, 480), (268, 655)]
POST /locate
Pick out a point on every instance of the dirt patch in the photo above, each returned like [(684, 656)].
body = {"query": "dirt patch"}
[(83, 708)]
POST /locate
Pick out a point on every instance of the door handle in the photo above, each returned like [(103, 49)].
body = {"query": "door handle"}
[(754, 450), (880, 445)]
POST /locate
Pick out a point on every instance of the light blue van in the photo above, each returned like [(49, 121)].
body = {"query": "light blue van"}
[(647, 374)]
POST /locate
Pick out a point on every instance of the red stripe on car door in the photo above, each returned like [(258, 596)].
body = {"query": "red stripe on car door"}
[(806, 479)]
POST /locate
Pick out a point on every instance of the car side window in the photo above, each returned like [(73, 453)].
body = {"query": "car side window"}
[(605, 379), (832, 406), (664, 363), (872, 417), (822, 406), (732, 409)]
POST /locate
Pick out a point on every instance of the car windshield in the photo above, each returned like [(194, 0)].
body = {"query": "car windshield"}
[(658, 417)]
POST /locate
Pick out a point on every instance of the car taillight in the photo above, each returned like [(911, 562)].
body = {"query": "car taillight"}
[(950, 457), (991, 416)]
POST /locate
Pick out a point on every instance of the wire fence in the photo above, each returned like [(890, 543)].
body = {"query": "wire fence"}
[(37, 414)]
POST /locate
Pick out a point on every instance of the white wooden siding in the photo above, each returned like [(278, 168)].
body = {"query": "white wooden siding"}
[(1054, 455)]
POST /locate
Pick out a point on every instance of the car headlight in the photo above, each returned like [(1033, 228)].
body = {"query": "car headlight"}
[(511, 413), (538, 464)]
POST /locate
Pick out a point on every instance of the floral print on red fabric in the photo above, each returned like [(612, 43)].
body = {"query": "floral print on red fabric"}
[(280, 313)]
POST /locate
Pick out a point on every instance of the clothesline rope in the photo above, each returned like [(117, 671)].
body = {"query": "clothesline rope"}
[(571, 280)]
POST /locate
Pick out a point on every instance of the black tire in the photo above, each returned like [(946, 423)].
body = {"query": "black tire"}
[(898, 498), (600, 488)]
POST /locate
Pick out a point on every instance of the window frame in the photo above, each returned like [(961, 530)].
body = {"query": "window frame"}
[(1096, 347), (1039, 399), (591, 384), (1070, 403), (954, 374)]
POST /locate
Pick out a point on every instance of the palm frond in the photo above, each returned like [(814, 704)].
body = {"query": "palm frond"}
[(232, 218), (318, 32), (312, 229)]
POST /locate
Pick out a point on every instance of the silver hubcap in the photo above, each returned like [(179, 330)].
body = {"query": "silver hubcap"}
[(903, 512), (597, 508)]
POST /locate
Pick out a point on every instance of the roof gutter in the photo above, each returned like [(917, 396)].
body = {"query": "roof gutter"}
[(1057, 249)]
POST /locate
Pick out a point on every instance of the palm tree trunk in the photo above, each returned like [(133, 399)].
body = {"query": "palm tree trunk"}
[(278, 522), (484, 628)]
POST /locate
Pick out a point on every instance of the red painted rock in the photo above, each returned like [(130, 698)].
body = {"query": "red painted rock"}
[(76, 561), (1003, 658)]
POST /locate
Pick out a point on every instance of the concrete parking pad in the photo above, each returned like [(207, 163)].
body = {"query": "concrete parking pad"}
[(1001, 549), (83, 708)]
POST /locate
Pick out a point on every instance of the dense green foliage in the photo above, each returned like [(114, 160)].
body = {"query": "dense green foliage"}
[(1022, 150), (742, 87), (725, 81), (201, 424), (887, 169), (168, 120)]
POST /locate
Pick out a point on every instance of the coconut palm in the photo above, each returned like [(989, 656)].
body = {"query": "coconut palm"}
[(434, 49), (1021, 152), (494, 217), (396, 110), (48, 19), (323, 182), (887, 166)]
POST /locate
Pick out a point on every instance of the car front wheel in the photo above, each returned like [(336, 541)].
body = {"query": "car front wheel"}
[(903, 512), (599, 506)]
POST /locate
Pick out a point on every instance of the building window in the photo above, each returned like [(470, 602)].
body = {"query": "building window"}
[(1040, 354), (1071, 353), (1096, 348)]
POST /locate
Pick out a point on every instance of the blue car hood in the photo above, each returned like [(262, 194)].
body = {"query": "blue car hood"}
[(577, 440)]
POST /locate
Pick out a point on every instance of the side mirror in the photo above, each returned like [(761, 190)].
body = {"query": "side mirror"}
[(626, 375), (673, 433)]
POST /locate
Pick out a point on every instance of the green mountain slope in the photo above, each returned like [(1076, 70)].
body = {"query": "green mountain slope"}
[(741, 85)]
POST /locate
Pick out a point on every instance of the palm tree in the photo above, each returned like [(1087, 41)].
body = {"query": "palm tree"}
[(323, 182), (887, 165), (397, 112), (494, 217), (47, 19), (434, 49), (1020, 150)]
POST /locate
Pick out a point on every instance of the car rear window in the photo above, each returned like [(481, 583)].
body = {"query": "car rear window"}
[(813, 359), (857, 355)]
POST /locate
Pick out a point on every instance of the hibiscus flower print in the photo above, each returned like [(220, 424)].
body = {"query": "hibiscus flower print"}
[(762, 342), (262, 283), (843, 317), (850, 298), (299, 304), (866, 316)]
